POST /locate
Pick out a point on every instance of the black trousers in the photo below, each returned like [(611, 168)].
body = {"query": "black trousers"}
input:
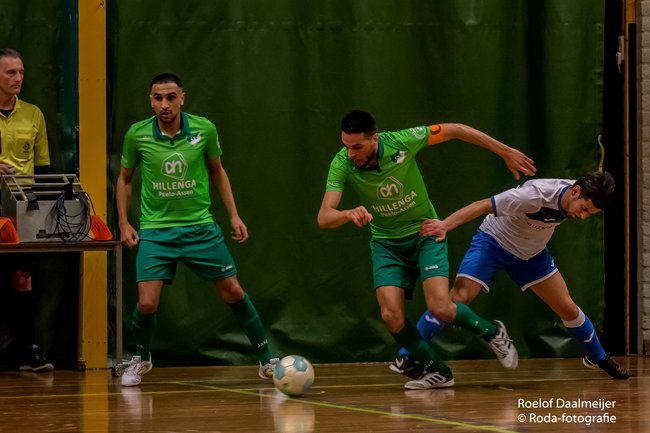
[(17, 309)]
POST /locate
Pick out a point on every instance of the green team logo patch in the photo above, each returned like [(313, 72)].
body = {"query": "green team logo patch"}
[(174, 166), (419, 132), (390, 189)]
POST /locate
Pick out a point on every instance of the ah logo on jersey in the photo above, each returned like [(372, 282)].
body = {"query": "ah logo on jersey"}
[(398, 157), (174, 166), (390, 189)]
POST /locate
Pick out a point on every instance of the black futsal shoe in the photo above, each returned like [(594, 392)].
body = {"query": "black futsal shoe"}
[(34, 361), (609, 366), (408, 366)]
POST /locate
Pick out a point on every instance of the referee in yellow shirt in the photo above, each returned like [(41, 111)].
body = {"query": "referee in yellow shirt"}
[(23, 149)]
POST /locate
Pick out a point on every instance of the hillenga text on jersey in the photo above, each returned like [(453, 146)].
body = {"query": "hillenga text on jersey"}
[(396, 207), (174, 189)]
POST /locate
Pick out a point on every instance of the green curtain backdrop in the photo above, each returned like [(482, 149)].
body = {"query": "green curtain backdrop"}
[(276, 78), (44, 32)]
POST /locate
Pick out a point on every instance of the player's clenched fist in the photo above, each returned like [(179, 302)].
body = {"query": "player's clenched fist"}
[(359, 216)]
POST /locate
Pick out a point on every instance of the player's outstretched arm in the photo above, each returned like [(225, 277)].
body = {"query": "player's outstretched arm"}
[(330, 217), (516, 161), (221, 181), (439, 229), (128, 235)]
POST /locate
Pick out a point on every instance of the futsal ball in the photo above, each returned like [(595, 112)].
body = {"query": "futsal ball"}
[(293, 375)]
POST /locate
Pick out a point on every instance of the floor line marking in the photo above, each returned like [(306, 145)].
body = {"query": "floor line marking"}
[(465, 425)]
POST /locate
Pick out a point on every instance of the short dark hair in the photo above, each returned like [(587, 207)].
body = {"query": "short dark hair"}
[(166, 77), (597, 187), (357, 122), (8, 52)]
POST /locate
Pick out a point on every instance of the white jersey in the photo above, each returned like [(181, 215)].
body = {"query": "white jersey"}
[(524, 218)]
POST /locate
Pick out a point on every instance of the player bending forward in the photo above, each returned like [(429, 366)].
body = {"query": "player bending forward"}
[(382, 169), (513, 237)]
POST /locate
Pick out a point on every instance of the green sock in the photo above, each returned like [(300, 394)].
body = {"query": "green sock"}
[(410, 338), (471, 321), (250, 323), (143, 327)]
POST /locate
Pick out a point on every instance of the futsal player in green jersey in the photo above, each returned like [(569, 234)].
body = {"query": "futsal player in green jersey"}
[(382, 169), (179, 155)]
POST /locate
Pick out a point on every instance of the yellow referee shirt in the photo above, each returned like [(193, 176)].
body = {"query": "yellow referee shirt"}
[(23, 138)]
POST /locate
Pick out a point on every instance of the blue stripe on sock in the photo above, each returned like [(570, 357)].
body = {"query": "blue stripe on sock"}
[(428, 326)]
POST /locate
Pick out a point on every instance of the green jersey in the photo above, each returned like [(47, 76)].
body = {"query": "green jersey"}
[(175, 182), (393, 192)]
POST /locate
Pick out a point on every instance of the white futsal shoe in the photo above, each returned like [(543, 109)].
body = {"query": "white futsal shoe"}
[(503, 347), (132, 376), (434, 379), (266, 371)]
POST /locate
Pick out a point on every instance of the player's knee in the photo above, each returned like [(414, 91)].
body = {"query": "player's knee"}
[(464, 290), (459, 296), (231, 292), (147, 307), (394, 321)]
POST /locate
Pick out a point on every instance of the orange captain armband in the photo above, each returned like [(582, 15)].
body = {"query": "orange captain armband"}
[(436, 134)]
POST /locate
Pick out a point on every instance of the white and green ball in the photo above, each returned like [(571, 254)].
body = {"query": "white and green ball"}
[(293, 375)]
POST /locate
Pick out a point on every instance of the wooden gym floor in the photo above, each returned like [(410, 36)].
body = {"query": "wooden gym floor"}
[(540, 396)]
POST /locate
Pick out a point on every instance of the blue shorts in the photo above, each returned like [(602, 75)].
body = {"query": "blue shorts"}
[(485, 257), (201, 247), (399, 262)]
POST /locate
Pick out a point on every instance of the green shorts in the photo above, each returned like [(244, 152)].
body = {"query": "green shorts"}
[(399, 262), (201, 247)]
